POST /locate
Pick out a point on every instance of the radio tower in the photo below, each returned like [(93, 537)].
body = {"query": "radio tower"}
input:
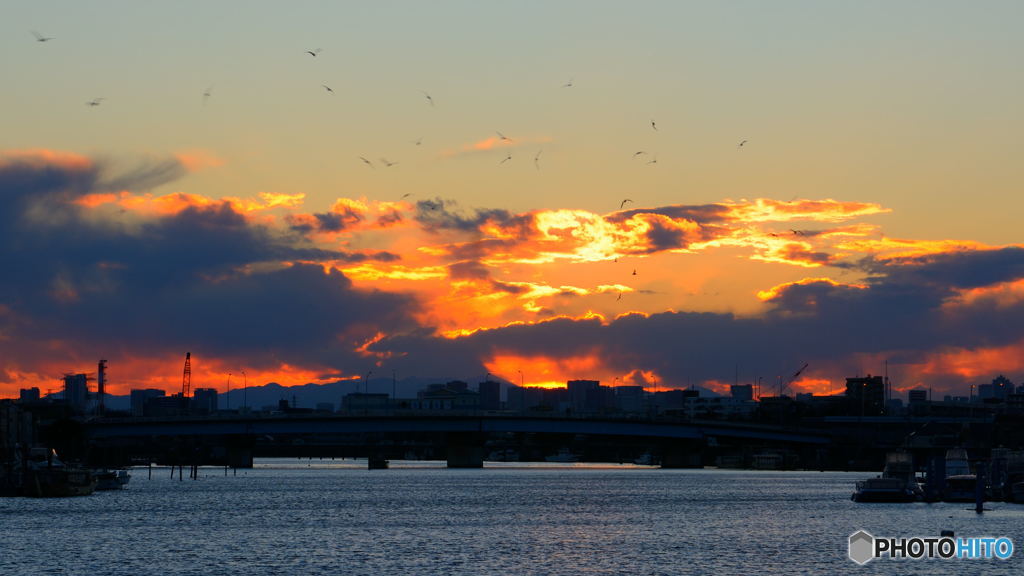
[(186, 376)]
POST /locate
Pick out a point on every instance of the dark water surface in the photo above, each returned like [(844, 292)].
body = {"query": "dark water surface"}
[(327, 517)]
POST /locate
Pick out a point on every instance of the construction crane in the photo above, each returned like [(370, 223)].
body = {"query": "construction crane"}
[(784, 385), (186, 376)]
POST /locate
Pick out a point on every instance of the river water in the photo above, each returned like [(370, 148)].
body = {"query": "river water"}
[(300, 517)]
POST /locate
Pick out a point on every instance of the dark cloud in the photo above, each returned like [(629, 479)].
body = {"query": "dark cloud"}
[(203, 279), (439, 214)]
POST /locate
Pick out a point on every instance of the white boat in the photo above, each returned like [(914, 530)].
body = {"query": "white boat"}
[(896, 484), (112, 479), (961, 483)]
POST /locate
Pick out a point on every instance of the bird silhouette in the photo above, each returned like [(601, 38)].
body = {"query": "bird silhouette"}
[(429, 99), (207, 93), (654, 126), (367, 162), (536, 160), (40, 37), (502, 136), (507, 158), (619, 298), (406, 195), (313, 53), (418, 141), (623, 203), (638, 153), (328, 88), (387, 163), (567, 84), (94, 102), (653, 160), (634, 271), (740, 145), (797, 232)]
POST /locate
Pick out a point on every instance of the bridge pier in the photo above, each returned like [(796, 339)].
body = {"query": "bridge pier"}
[(465, 450), (682, 454)]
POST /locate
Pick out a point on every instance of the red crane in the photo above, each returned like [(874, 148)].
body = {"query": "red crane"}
[(186, 377)]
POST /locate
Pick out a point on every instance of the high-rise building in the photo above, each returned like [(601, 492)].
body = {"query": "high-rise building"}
[(490, 395), (204, 400), (865, 396)]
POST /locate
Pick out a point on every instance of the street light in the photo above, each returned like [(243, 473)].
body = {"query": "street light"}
[(228, 395), (520, 378), (245, 390)]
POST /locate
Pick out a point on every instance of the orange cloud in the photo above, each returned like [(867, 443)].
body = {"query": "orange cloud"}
[(41, 157), (543, 371), (775, 291)]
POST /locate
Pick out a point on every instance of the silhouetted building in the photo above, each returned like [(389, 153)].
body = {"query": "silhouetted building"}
[(865, 396), (917, 396), (741, 391), (585, 396), (28, 395), (361, 402), (139, 398), (454, 395), (490, 395), (325, 406), (629, 398), (76, 391), (204, 401), (998, 391)]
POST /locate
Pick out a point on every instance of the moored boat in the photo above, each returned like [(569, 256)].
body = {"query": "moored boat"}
[(897, 483)]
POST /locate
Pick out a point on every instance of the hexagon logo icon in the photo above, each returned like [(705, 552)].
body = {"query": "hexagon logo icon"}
[(861, 547)]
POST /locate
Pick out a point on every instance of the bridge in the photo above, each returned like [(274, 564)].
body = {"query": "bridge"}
[(461, 438)]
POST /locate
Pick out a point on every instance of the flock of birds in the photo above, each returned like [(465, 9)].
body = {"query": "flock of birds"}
[(651, 159)]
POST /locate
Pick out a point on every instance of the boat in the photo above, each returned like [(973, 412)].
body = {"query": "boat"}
[(112, 479), (46, 476), (961, 483), (896, 484)]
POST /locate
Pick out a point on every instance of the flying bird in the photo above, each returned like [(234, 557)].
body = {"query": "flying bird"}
[(418, 141), (654, 126), (507, 158), (502, 136), (567, 84), (634, 271), (619, 298), (406, 195), (94, 102), (623, 203), (653, 160), (367, 162), (740, 145), (206, 94), (40, 37), (387, 163), (429, 99), (638, 153), (328, 88), (313, 53), (797, 232), (536, 160)]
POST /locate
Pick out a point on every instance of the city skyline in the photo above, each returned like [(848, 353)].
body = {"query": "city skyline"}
[(667, 194)]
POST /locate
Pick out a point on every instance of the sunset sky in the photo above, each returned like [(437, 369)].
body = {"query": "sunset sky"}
[(551, 191)]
